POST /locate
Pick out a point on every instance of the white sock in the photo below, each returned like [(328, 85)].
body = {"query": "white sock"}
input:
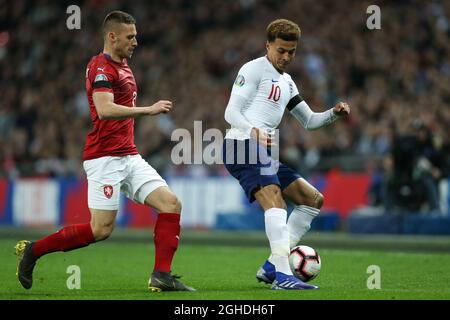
[(299, 223), (278, 235)]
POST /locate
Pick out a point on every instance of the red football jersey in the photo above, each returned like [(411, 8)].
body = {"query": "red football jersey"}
[(110, 137)]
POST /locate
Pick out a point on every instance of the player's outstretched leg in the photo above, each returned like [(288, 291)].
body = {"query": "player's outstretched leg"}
[(266, 273), (26, 263), (165, 281), (66, 239)]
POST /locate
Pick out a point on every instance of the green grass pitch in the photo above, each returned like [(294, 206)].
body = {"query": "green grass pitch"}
[(120, 270)]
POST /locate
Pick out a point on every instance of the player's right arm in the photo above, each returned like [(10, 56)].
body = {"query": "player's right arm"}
[(108, 110), (244, 88), (101, 78)]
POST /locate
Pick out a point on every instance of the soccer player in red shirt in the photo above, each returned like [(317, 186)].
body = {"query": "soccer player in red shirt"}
[(113, 165)]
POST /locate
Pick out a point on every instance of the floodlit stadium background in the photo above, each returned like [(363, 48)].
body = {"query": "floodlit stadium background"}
[(396, 79)]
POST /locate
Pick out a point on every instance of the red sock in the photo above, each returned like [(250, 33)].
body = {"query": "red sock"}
[(166, 237), (66, 239)]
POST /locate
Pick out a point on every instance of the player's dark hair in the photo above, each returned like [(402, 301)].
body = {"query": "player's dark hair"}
[(283, 29), (116, 17)]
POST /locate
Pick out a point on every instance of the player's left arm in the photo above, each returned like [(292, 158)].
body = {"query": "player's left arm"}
[(314, 120)]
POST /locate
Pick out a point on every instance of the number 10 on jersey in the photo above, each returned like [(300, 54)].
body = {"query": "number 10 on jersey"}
[(275, 93)]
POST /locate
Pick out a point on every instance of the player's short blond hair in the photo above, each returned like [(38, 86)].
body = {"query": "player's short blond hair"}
[(283, 29), (115, 17)]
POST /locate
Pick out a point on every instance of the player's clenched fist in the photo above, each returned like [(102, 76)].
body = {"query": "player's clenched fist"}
[(341, 109), (162, 106)]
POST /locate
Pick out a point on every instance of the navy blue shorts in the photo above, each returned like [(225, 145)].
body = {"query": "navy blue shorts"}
[(252, 165)]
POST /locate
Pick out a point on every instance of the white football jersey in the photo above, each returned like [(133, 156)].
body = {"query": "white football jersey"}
[(266, 92)]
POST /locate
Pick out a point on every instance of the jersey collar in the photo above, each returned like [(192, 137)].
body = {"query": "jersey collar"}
[(108, 56)]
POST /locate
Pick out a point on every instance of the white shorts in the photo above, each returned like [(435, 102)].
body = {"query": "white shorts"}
[(108, 176)]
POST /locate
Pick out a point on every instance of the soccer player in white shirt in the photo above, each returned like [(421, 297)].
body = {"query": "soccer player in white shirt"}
[(261, 92)]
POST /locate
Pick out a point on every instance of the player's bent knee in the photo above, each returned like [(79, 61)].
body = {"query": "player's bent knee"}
[(178, 205), (318, 200), (172, 205), (102, 233), (278, 198), (270, 197)]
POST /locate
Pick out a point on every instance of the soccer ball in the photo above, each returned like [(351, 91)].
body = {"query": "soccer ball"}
[(305, 262)]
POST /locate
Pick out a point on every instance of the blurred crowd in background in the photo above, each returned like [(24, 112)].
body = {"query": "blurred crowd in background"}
[(396, 80)]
